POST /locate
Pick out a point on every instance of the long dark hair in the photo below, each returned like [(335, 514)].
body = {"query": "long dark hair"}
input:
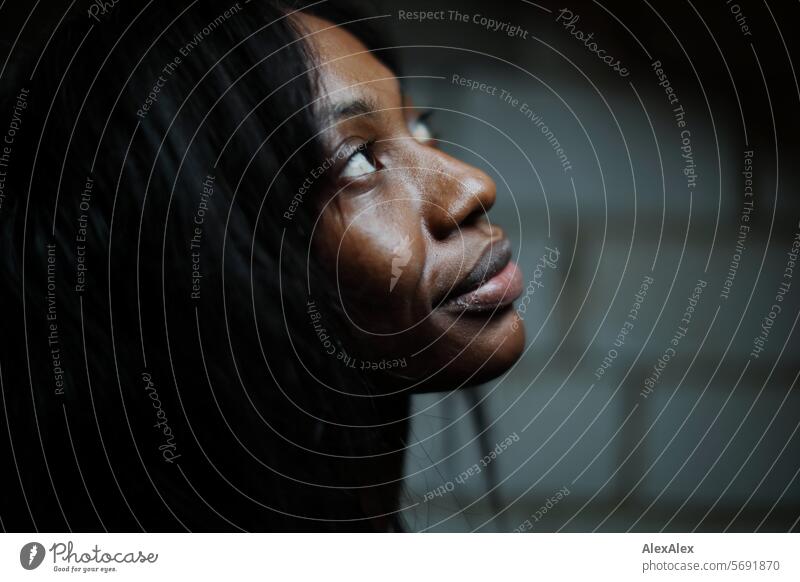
[(155, 257)]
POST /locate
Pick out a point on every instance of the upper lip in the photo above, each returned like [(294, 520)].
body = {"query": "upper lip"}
[(493, 259)]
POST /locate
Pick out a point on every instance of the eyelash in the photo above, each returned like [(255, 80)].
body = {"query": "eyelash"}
[(422, 119), (425, 115), (366, 148), (363, 149)]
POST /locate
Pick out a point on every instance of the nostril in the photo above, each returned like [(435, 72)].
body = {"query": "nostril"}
[(462, 197), (476, 220), (450, 222), (477, 216)]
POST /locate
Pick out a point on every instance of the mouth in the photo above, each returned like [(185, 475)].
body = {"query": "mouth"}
[(493, 283)]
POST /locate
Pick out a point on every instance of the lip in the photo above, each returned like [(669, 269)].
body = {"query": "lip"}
[(494, 281)]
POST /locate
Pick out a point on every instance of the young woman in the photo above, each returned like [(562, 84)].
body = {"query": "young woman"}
[(231, 251)]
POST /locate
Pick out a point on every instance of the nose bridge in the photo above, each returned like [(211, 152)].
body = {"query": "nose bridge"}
[(457, 192)]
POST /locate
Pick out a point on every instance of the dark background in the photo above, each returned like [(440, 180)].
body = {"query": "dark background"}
[(713, 447)]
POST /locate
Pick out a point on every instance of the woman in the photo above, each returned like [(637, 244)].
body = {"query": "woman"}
[(234, 251)]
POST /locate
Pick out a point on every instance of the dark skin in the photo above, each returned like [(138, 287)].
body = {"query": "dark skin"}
[(421, 271)]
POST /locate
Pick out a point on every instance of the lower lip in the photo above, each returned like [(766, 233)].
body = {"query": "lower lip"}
[(499, 291)]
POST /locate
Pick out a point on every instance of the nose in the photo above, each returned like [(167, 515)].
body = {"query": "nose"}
[(458, 196)]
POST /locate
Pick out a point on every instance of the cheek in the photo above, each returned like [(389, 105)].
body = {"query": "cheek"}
[(377, 253)]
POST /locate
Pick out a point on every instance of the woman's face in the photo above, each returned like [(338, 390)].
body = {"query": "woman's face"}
[(422, 274)]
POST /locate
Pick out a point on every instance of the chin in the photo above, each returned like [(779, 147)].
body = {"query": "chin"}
[(487, 350), (499, 349)]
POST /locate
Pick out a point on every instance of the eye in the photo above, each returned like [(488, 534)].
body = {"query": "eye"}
[(361, 163), (420, 129)]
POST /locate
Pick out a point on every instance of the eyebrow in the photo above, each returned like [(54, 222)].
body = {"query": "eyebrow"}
[(354, 108)]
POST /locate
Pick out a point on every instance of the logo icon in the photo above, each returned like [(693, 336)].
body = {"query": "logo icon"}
[(402, 255), (31, 555)]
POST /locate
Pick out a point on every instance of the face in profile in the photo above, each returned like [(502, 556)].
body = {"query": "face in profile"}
[(420, 271)]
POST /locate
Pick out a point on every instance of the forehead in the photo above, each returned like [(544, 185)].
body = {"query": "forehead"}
[(347, 69)]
